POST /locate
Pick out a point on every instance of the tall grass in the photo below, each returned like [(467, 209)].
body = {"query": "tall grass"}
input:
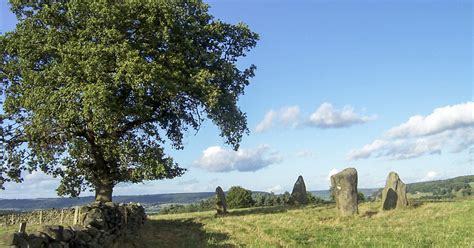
[(431, 224), (438, 224)]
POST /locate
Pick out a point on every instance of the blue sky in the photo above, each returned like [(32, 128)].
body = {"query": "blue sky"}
[(338, 84)]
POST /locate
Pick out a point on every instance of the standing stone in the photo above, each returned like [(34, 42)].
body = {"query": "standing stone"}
[(298, 195), (394, 194), (221, 204), (344, 186)]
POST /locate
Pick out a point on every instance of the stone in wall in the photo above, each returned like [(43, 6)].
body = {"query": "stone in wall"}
[(100, 225)]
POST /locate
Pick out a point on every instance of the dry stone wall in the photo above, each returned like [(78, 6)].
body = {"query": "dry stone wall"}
[(99, 225)]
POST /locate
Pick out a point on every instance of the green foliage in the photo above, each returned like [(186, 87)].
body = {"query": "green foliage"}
[(332, 194), (466, 192), (238, 197), (314, 199), (286, 197), (360, 197), (93, 89), (203, 205), (259, 199), (441, 187)]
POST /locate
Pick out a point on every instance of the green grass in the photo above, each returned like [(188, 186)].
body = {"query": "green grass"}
[(434, 224), (419, 195), (443, 224), (14, 228)]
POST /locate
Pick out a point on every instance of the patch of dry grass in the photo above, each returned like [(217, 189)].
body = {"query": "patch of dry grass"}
[(443, 224)]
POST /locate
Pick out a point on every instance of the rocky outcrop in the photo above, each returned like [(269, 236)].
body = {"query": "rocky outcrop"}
[(394, 195), (298, 195), (221, 204), (100, 225), (344, 188)]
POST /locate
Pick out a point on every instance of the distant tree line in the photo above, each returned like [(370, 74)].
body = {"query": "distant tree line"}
[(238, 197), (443, 188)]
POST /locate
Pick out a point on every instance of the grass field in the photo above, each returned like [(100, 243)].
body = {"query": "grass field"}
[(440, 224), (432, 224)]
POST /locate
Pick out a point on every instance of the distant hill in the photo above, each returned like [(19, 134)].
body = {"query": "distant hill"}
[(155, 200), (43, 203), (442, 186), (435, 187)]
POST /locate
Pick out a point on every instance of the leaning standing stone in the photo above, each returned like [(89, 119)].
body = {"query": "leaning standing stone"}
[(394, 194), (298, 195), (221, 205), (344, 186)]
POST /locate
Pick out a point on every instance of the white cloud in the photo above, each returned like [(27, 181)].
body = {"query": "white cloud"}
[(442, 119), (367, 150), (446, 128), (218, 159), (431, 175), (304, 154), (289, 115), (188, 182), (266, 123), (326, 116), (286, 116), (275, 189), (35, 184)]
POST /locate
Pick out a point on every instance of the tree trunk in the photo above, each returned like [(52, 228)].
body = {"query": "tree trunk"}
[(103, 192)]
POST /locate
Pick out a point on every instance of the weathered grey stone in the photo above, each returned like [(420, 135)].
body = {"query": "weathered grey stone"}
[(394, 195), (221, 204), (108, 217), (92, 231), (10, 239), (14, 239), (83, 236), (95, 217), (37, 242), (53, 231), (68, 234), (41, 235), (55, 245), (64, 244), (298, 195), (344, 188)]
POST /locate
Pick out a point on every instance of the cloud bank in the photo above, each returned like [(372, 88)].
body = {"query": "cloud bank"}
[(218, 159), (449, 127), (286, 116), (325, 116)]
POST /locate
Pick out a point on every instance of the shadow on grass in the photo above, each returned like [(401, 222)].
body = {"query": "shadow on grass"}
[(178, 233)]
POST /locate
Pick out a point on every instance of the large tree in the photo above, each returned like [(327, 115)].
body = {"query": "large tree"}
[(94, 89)]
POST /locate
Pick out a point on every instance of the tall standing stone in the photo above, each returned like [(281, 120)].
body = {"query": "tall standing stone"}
[(221, 204), (394, 195), (344, 186), (298, 195)]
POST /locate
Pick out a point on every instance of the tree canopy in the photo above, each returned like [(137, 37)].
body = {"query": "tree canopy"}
[(94, 89), (238, 197)]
